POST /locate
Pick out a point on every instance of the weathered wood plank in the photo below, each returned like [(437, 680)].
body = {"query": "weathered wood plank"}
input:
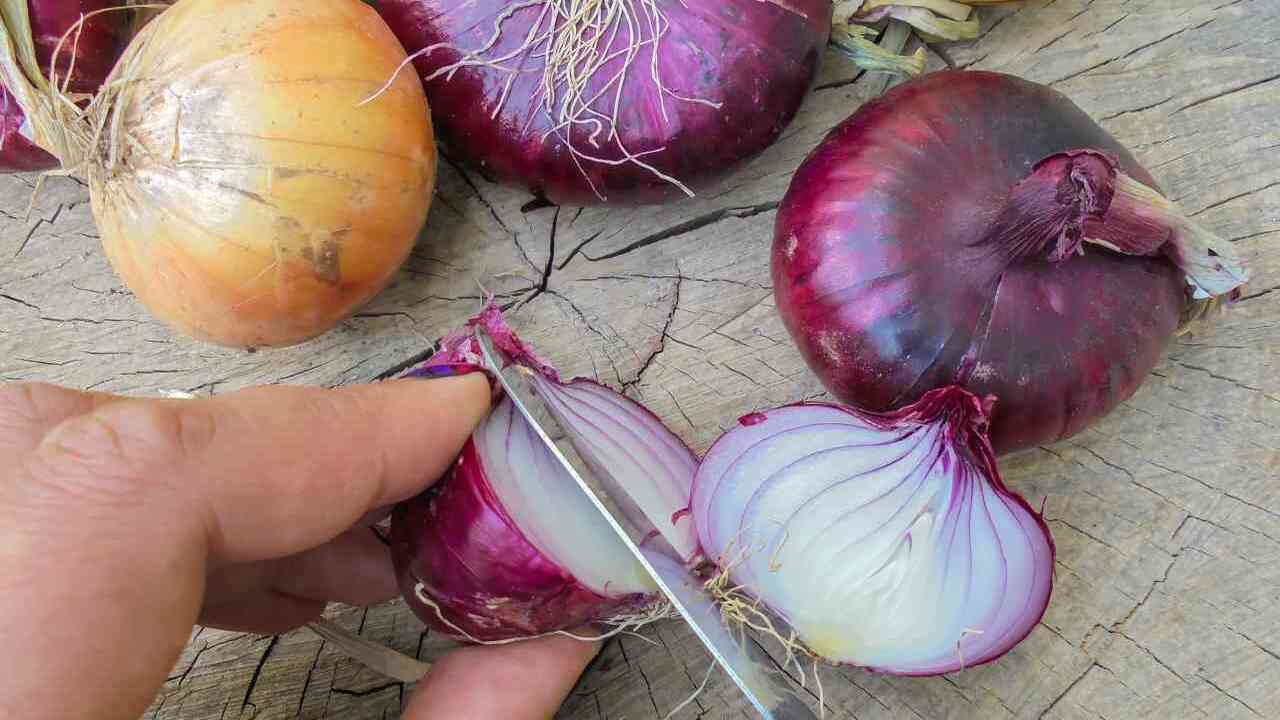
[(1166, 514)]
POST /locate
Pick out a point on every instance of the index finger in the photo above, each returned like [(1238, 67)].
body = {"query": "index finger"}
[(274, 471)]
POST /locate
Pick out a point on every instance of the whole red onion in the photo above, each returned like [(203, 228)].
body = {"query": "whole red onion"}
[(976, 229), (87, 54), (732, 75)]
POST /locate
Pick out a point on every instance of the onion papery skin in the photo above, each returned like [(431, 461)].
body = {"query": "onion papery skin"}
[(884, 541), (259, 203), (100, 41), (460, 546), (887, 281), (755, 59)]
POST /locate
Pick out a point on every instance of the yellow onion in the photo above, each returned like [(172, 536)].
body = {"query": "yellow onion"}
[(243, 189)]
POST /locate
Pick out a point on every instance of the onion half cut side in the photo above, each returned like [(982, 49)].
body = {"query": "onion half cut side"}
[(887, 541)]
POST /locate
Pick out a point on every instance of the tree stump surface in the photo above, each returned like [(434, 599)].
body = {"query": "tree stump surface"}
[(1166, 514)]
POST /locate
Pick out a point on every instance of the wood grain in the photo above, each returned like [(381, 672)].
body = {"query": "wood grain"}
[(1166, 514)]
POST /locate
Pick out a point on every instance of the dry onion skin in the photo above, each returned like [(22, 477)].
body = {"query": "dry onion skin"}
[(78, 64), (242, 190), (857, 23)]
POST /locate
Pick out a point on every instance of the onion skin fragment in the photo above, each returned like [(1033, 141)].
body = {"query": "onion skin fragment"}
[(455, 544), (755, 60), (890, 279)]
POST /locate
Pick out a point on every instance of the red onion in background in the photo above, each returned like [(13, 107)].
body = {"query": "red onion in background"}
[(88, 54), (636, 124), (884, 541), (976, 229), (18, 151)]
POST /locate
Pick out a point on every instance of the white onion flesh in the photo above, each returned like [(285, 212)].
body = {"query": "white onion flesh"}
[(645, 467), (550, 509), (883, 545)]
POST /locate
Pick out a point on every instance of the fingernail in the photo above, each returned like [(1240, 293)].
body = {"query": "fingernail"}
[(441, 370), (457, 369)]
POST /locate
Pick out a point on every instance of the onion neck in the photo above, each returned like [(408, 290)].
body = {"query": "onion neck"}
[(933, 20), (1081, 196), (855, 42), (964, 416), (855, 24)]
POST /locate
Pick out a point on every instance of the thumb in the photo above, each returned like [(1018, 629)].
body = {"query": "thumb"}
[(527, 680)]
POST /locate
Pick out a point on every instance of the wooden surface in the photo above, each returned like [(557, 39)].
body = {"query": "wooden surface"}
[(1166, 515)]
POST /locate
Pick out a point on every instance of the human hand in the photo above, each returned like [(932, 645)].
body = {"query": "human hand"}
[(123, 522)]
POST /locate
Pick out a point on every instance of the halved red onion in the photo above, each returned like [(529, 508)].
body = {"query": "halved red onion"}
[(507, 545), (486, 556), (887, 541)]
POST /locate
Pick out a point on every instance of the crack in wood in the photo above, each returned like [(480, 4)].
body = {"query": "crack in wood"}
[(257, 672), (1220, 689), (1089, 535), (42, 221), (365, 693), (306, 683), (466, 178), (1233, 198), (19, 301), (1143, 108), (1225, 93), (662, 336), (1128, 54), (687, 227), (1067, 690)]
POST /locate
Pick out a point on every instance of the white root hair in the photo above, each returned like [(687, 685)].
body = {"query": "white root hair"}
[(580, 44), (622, 623)]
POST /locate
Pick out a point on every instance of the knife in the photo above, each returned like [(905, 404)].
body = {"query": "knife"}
[(759, 678)]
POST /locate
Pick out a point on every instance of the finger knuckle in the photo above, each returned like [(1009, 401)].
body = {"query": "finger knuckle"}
[(27, 404), (126, 447)]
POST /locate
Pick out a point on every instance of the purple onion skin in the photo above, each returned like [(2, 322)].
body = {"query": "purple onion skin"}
[(886, 277), (758, 58), (100, 43), (477, 566), (17, 153)]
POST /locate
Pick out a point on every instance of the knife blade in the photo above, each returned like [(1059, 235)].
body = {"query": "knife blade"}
[(751, 669)]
